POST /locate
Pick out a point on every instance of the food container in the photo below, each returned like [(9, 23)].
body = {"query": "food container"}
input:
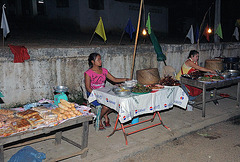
[(60, 89), (122, 91), (226, 75), (130, 83), (233, 72)]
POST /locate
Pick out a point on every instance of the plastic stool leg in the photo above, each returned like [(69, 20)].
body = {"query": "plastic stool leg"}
[(99, 109)]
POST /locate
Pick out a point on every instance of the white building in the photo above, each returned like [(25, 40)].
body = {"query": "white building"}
[(86, 13)]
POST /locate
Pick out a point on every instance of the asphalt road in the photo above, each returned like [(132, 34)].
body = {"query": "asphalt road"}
[(220, 143)]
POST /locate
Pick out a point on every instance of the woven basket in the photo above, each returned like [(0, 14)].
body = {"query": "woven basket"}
[(214, 64), (148, 76)]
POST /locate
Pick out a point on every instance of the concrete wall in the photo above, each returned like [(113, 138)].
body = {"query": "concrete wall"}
[(34, 79)]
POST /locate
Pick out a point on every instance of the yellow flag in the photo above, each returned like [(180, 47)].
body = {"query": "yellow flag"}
[(100, 30)]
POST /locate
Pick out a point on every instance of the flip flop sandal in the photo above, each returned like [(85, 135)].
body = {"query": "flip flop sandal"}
[(101, 128), (107, 124)]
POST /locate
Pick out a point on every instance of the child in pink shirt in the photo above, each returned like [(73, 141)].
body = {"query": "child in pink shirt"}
[(95, 77)]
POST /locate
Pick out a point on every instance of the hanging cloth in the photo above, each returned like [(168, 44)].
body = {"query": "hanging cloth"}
[(20, 53)]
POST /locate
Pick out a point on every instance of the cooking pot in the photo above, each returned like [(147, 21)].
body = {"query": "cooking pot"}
[(231, 59), (233, 72)]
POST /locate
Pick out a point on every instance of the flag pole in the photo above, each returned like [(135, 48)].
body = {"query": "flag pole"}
[(202, 25), (121, 37), (3, 41), (91, 38), (136, 39)]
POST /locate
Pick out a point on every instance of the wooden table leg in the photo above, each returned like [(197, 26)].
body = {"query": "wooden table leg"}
[(85, 137), (204, 100), (1, 153), (214, 96), (58, 138)]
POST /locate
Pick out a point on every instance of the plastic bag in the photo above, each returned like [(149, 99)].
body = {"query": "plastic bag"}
[(28, 154)]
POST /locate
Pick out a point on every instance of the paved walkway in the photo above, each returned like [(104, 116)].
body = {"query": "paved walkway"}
[(181, 122)]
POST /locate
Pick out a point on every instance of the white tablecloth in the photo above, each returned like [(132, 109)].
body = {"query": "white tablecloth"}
[(137, 104)]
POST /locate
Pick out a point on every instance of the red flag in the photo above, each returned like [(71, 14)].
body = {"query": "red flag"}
[(206, 33)]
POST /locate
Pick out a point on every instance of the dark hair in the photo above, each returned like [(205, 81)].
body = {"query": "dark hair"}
[(91, 57), (192, 53)]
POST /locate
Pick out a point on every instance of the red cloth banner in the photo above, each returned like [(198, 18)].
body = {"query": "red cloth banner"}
[(20, 53)]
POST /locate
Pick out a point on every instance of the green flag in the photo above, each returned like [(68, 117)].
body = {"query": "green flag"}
[(157, 47), (219, 31), (237, 23), (148, 24)]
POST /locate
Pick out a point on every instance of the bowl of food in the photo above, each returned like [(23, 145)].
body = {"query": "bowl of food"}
[(122, 91)]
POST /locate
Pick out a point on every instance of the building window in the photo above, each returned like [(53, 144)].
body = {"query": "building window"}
[(62, 3), (96, 4)]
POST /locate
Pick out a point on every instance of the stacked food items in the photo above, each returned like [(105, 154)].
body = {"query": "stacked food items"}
[(36, 117), (155, 87), (139, 88), (168, 81), (66, 110), (196, 74)]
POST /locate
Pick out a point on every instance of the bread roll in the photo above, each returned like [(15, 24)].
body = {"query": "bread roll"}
[(66, 103), (64, 107)]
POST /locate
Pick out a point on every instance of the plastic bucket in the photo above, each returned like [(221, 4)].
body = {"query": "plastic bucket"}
[(135, 120)]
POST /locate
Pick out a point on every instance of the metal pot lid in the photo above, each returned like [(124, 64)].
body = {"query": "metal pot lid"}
[(60, 88)]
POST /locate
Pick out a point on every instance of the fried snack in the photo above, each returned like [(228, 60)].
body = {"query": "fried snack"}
[(64, 107), (27, 113), (35, 120), (64, 117), (20, 125), (60, 110), (66, 103), (41, 109), (6, 131), (72, 105), (59, 118), (6, 112), (56, 112), (50, 118), (3, 117), (49, 115), (10, 120)]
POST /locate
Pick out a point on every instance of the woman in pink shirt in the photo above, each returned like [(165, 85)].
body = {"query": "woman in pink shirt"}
[(95, 77)]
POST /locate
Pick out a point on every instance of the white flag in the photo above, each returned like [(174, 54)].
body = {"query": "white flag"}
[(190, 34), (236, 33), (4, 23)]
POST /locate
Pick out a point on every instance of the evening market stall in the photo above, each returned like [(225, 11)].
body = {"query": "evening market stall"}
[(137, 104), (43, 118)]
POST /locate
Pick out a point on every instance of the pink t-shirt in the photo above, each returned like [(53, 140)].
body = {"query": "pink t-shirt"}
[(97, 80)]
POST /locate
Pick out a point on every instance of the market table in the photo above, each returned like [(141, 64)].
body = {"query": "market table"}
[(205, 85), (58, 136), (137, 104)]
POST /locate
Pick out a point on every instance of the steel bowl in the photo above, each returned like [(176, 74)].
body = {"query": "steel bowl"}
[(122, 91), (60, 88), (233, 72), (226, 75)]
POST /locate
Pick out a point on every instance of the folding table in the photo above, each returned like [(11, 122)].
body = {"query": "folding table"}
[(205, 85), (137, 104)]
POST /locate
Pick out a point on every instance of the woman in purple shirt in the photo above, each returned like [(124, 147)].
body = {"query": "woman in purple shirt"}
[(95, 77)]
